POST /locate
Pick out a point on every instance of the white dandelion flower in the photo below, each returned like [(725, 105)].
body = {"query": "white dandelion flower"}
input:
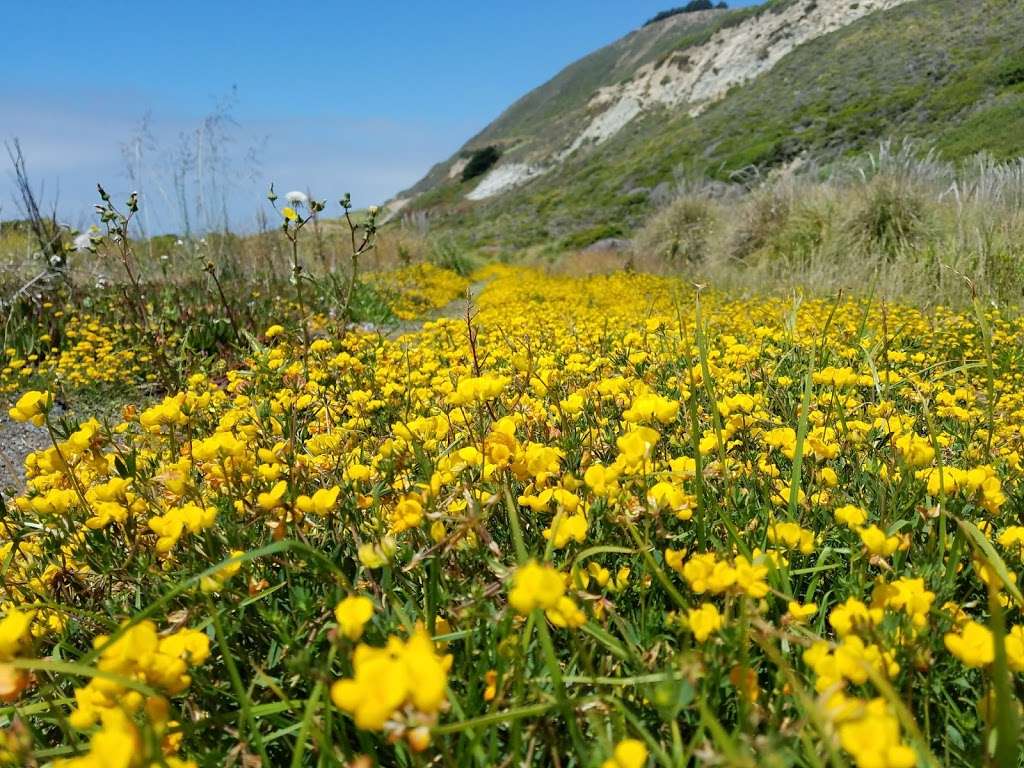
[(82, 242), (297, 198)]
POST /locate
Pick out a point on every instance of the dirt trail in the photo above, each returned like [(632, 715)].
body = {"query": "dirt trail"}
[(454, 309)]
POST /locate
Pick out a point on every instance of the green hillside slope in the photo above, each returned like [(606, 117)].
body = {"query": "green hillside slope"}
[(549, 113), (946, 71)]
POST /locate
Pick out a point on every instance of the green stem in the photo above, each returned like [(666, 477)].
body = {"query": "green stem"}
[(307, 718), (659, 574), (236, 683), (796, 479), (551, 661), (513, 522), (495, 718)]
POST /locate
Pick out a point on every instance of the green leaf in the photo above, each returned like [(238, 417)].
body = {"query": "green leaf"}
[(988, 553)]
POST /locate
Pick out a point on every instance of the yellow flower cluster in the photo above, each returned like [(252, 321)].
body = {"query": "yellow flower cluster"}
[(134, 673), (139, 654), (15, 637), (974, 645), (706, 573), (628, 753), (31, 406), (91, 352), (541, 586), (764, 511), (419, 288), (870, 732), (120, 744), (403, 681)]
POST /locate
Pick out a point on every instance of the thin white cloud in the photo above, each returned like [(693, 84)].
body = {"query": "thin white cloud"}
[(71, 147)]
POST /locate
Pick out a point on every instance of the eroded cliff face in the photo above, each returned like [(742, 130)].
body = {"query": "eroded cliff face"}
[(690, 78)]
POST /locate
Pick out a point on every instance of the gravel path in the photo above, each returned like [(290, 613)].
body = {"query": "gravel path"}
[(17, 440)]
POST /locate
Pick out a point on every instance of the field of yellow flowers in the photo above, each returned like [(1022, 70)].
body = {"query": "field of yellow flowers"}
[(602, 521)]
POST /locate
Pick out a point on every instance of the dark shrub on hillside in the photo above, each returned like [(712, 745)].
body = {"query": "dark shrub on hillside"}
[(1011, 73), (480, 162), (690, 7), (589, 236)]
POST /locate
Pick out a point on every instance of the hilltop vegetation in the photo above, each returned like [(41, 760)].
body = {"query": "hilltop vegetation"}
[(691, 7)]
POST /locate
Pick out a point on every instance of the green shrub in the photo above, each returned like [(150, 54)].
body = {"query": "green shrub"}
[(806, 233), (15, 226), (890, 215), (679, 233), (589, 236), (759, 220), (1011, 72), (480, 162), (448, 253)]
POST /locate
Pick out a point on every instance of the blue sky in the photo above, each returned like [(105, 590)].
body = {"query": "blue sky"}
[(330, 97)]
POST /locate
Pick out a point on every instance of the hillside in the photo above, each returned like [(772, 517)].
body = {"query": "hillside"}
[(549, 114), (793, 82)]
